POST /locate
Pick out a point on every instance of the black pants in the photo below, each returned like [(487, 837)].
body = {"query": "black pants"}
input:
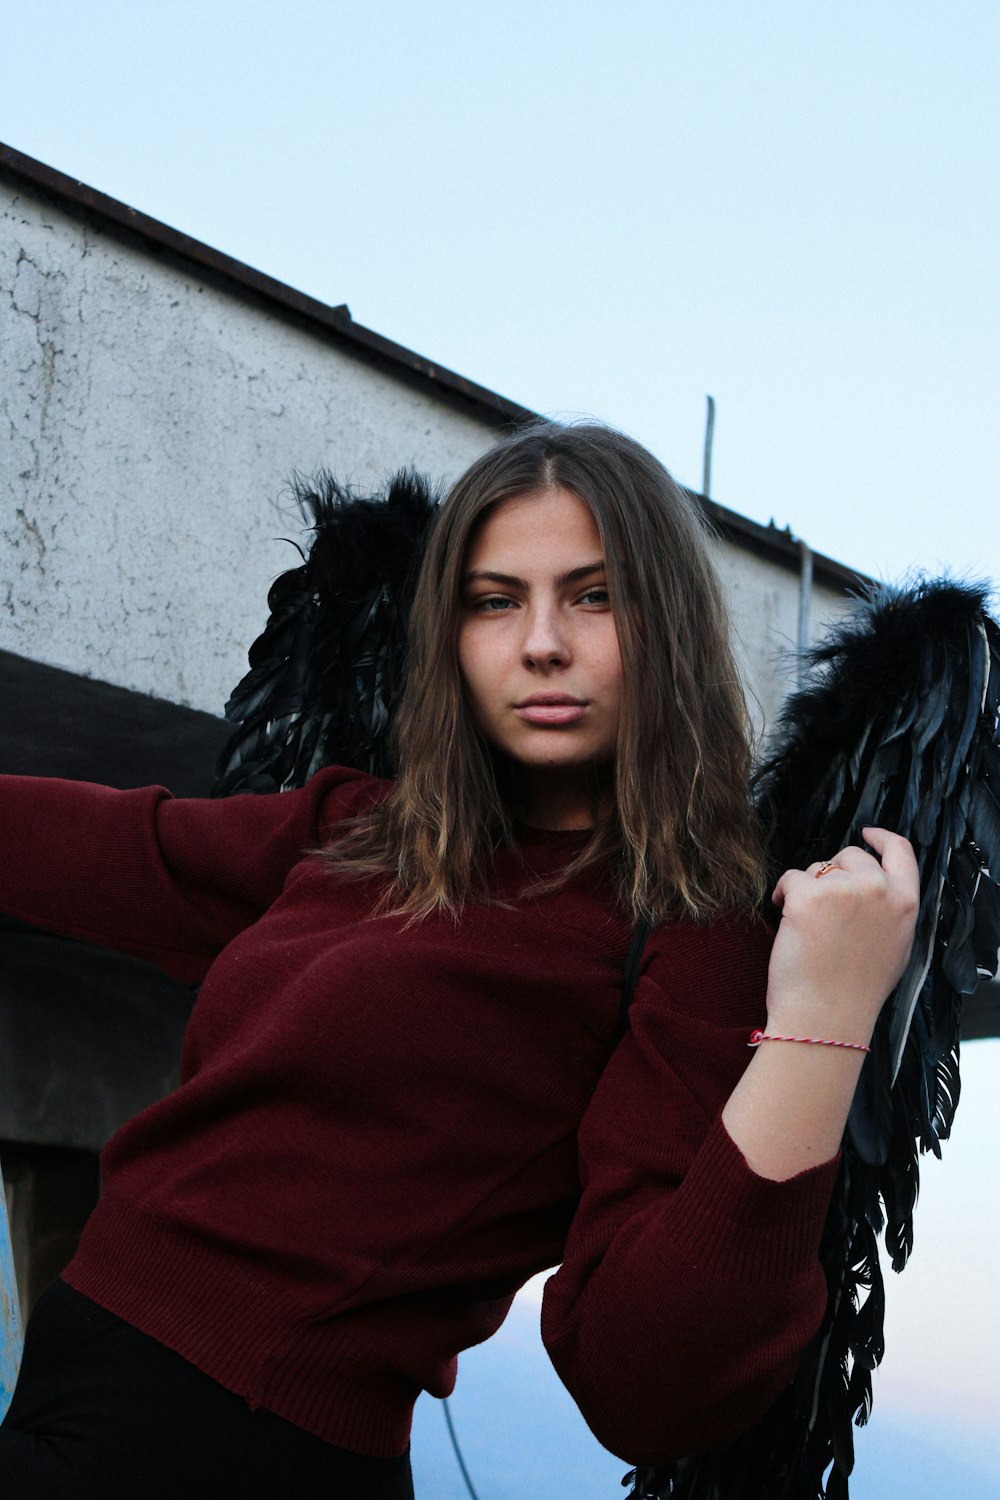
[(101, 1412)]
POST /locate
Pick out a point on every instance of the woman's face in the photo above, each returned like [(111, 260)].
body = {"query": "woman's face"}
[(538, 648)]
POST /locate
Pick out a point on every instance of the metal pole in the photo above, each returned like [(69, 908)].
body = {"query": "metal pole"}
[(805, 602), (706, 475)]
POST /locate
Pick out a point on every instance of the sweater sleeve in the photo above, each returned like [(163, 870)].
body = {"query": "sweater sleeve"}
[(690, 1286), (167, 879)]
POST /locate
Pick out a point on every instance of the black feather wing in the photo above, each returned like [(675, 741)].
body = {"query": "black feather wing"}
[(897, 725), (327, 670)]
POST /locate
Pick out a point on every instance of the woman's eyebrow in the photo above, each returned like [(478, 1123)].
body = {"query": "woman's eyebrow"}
[(486, 575)]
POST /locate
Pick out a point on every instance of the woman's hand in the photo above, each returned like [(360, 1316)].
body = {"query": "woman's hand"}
[(844, 939), (845, 936)]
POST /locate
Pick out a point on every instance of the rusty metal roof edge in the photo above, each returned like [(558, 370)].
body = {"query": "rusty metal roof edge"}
[(497, 410)]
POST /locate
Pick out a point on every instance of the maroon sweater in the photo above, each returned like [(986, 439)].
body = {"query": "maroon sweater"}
[(381, 1131)]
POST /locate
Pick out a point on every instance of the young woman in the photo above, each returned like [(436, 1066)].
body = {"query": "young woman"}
[(403, 1089)]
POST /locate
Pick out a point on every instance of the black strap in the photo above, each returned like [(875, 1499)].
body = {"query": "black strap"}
[(633, 961)]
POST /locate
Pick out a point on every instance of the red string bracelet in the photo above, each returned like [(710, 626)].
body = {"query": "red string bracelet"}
[(756, 1037)]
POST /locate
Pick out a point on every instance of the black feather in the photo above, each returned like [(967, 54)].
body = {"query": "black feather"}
[(327, 671)]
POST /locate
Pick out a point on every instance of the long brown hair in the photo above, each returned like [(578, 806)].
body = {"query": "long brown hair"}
[(681, 835)]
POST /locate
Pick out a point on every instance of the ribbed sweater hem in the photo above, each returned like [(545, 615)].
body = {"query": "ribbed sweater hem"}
[(319, 1373)]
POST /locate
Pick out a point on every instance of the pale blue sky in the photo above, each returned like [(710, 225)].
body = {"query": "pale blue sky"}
[(613, 210), (606, 209)]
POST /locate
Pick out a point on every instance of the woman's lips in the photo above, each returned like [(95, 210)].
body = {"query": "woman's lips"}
[(550, 714)]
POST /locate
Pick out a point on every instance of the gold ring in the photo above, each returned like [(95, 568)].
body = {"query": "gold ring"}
[(825, 868)]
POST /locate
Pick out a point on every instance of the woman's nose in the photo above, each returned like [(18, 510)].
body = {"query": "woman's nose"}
[(545, 642)]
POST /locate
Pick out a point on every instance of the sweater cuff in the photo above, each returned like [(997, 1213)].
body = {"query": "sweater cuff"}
[(765, 1229)]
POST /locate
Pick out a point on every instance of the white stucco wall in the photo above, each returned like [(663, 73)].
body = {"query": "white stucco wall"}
[(150, 422), (763, 601)]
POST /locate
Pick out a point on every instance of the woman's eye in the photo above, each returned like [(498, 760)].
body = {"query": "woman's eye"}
[(595, 596), (492, 603)]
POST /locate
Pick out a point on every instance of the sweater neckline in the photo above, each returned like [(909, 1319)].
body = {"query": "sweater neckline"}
[(528, 837)]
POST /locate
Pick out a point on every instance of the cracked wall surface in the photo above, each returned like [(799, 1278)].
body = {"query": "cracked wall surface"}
[(150, 422)]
